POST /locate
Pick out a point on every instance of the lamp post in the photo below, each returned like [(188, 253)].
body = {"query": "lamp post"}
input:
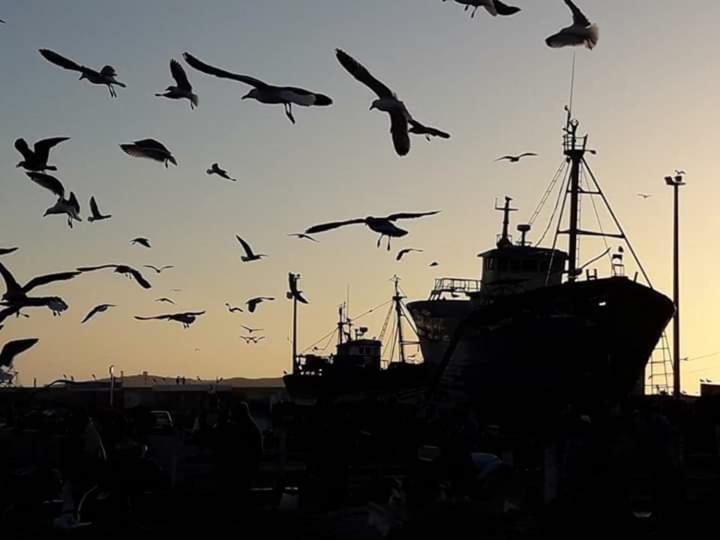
[(675, 182)]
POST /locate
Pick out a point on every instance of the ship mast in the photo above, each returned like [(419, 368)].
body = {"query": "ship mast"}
[(575, 151), (397, 300)]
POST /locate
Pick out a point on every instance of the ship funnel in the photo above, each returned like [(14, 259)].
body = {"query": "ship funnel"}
[(523, 229)]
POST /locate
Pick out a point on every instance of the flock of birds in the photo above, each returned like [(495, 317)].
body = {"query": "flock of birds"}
[(403, 124)]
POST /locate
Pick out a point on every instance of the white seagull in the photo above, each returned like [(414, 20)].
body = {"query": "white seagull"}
[(105, 76), (150, 149), (183, 90), (581, 32), (69, 206), (249, 255), (264, 92)]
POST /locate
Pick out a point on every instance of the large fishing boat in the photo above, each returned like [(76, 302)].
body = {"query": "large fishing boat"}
[(540, 330)]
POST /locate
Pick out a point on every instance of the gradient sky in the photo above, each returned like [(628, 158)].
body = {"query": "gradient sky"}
[(648, 96)]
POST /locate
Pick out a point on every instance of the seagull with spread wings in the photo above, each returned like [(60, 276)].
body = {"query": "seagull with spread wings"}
[(13, 348), (105, 76), (222, 173), (16, 296), (249, 255), (303, 236), (183, 88), (186, 318), (405, 251), (387, 102), (37, 158), (493, 7), (644, 195), (516, 158), (581, 32), (149, 149), (142, 241), (70, 206), (264, 92), (120, 269), (96, 215), (254, 302), (251, 330), (233, 309), (160, 269), (97, 309), (165, 299), (382, 225)]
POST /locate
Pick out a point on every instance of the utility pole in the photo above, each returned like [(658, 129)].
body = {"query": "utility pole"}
[(675, 182)]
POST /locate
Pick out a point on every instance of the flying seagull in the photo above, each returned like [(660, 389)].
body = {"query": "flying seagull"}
[(493, 7), (158, 270), (13, 348), (416, 128), (16, 296), (183, 90), (97, 309), (186, 318), (69, 206), (434, 263), (165, 299), (387, 102), (249, 255), (263, 92), (120, 269), (303, 236), (251, 330), (516, 158), (253, 302), (644, 195), (7, 251), (95, 211), (141, 240), (37, 158), (215, 169), (150, 149), (382, 225), (233, 309), (405, 251), (581, 32), (105, 76), (294, 292), (252, 339)]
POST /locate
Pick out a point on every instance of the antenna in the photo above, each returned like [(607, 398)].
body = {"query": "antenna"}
[(572, 85)]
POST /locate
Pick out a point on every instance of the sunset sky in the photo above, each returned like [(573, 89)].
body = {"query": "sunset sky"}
[(648, 96)]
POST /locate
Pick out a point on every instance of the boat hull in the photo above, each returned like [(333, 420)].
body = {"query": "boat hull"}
[(582, 344)]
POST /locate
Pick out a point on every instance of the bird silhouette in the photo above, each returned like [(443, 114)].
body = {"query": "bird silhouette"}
[(149, 149), (120, 269), (165, 299), (256, 301), (96, 215), (215, 169), (434, 263), (249, 255), (182, 88), (264, 92), (382, 225), (14, 348), (294, 292), (105, 76), (7, 251), (493, 7), (644, 195), (160, 269), (405, 251), (16, 296), (303, 236), (581, 32), (233, 309), (251, 330), (141, 240), (416, 128), (37, 158), (97, 309), (70, 206), (516, 158), (186, 318)]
